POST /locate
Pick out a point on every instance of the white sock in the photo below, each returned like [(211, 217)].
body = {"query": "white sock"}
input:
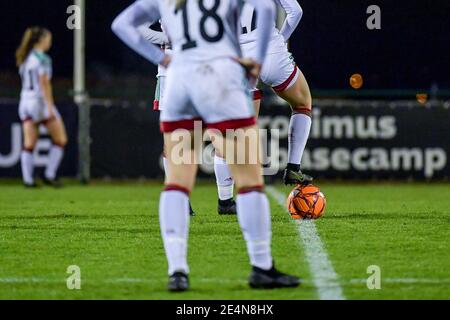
[(224, 178), (174, 222), (166, 165), (254, 217), (27, 166), (54, 160), (299, 130)]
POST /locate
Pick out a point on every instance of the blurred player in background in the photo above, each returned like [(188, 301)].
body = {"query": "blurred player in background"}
[(225, 183), (282, 74), (205, 82), (37, 104)]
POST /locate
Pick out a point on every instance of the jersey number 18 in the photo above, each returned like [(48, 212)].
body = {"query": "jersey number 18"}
[(207, 14)]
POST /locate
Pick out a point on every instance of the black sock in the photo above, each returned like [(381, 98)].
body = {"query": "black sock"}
[(293, 167)]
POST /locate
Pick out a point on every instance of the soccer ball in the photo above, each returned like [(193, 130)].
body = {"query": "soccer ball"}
[(306, 202)]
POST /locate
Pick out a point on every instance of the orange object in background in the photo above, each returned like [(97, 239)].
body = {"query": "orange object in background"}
[(356, 81)]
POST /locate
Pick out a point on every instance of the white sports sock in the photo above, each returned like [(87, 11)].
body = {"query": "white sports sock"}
[(174, 222), (54, 160), (254, 217), (27, 166), (299, 130), (165, 165), (224, 179)]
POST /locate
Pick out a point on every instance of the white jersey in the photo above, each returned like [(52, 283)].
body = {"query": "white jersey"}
[(202, 30), (198, 30), (278, 38), (35, 65), (204, 80), (248, 25), (32, 106), (158, 38)]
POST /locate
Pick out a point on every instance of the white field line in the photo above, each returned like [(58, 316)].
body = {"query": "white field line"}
[(324, 277), (20, 280)]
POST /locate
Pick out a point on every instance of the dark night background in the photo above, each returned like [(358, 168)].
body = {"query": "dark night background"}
[(412, 50)]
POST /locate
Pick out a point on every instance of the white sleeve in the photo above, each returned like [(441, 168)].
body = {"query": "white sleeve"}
[(155, 37), (265, 9), (45, 68), (294, 13), (126, 26), (42, 70)]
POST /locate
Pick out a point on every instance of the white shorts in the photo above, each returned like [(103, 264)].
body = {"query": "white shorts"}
[(35, 110), (215, 92), (279, 72)]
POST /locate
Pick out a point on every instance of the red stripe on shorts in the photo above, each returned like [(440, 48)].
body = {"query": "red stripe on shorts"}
[(232, 124), (171, 126), (286, 84)]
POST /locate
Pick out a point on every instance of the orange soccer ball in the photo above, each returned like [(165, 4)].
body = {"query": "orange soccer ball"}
[(306, 202)]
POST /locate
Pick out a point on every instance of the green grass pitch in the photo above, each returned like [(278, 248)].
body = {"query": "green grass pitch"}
[(111, 232)]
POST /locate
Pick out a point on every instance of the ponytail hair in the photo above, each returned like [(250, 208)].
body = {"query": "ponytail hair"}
[(31, 37)]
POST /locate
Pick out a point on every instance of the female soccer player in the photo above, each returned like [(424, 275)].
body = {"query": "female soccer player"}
[(37, 105), (226, 203), (282, 74), (205, 82)]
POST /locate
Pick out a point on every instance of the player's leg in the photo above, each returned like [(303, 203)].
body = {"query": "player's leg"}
[(166, 170), (253, 209), (234, 134), (30, 137), (174, 207), (57, 132), (225, 185), (158, 105), (299, 98), (252, 206), (281, 72), (224, 178), (177, 124)]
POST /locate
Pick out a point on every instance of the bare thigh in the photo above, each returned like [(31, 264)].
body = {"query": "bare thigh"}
[(182, 158), (242, 156), (57, 132), (299, 95)]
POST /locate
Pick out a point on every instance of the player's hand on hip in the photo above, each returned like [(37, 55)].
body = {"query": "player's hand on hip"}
[(166, 61), (252, 67)]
